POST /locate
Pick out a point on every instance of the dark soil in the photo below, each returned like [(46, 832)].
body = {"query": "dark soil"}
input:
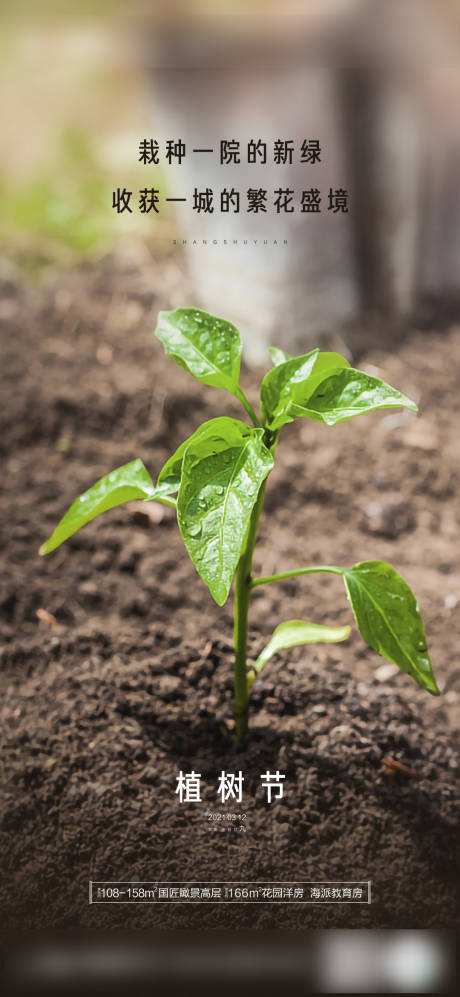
[(135, 683)]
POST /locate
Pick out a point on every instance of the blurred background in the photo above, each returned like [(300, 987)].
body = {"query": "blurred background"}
[(357, 961), (377, 84)]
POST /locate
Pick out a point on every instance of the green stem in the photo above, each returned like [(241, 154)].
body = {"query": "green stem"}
[(241, 616), (247, 406), (243, 587), (317, 569)]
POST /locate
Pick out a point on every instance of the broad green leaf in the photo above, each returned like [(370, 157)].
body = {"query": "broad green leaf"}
[(286, 389), (132, 481), (389, 619), (325, 364), (171, 471), (295, 632), (222, 473), (278, 355), (205, 346), (346, 393)]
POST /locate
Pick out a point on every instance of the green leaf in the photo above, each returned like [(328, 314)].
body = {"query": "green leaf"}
[(295, 632), (222, 472), (278, 355), (172, 470), (132, 481), (209, 348), (278, 385), (388, 618), (286, 389), (348, 393)]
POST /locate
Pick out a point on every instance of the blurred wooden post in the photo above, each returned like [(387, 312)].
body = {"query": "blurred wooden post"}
[(439, 254), (382, 129), (282, 278)]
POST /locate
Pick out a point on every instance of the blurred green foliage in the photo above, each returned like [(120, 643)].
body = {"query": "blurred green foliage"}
[(65, 205), (71, 119)]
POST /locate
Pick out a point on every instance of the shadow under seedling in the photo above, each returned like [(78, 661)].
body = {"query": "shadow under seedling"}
[(216, 481)]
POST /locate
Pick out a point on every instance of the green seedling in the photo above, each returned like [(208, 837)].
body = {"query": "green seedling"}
[(216, 482)]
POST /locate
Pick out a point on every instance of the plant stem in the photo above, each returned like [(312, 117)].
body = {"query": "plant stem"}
[(242, 597), (248, 407), (241, 614), (243, 587), (316, 569)]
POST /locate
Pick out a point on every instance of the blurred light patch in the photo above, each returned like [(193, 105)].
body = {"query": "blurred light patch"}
[(384, 962)]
